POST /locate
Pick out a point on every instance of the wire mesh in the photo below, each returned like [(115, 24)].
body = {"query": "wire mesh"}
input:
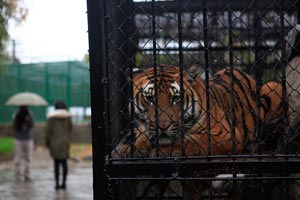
[(199, 99)]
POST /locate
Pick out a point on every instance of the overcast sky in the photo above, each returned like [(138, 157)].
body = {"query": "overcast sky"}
[(55, 30)]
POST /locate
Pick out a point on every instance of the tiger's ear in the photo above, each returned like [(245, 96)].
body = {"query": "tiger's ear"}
[(135, 71), (196, 71)]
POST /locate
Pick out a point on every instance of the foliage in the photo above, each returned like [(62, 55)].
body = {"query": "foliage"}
[(86, 58), (10, 10), (6, 145)]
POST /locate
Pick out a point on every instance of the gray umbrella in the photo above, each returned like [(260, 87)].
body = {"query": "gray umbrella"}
[(26, 99)]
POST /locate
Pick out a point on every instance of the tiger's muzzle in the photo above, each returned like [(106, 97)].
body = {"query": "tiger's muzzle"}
[(164, 136)]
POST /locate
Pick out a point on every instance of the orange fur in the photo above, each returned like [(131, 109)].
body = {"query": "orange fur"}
[(271, 97)]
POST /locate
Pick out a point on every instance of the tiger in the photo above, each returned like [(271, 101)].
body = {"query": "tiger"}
[(177, 115)]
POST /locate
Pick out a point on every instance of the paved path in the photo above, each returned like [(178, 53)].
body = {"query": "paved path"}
[(79, 182)]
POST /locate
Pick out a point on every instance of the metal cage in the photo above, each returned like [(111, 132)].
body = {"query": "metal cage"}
[(225, 128)]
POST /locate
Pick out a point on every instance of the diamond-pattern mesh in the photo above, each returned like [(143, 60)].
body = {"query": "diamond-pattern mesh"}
[(201, 99)]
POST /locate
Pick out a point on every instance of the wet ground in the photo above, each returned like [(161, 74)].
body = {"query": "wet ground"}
[(79, 181)]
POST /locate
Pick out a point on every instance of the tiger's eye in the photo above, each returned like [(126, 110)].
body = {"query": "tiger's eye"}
[(175, 90), (175, 98), (149, 98)]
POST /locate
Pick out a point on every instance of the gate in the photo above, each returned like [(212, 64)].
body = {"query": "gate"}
[(195, 99)]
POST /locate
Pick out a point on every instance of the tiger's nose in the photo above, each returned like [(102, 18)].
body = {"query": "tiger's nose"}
[(164, 125)]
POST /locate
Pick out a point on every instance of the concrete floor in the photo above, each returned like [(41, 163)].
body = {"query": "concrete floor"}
[(79, 181)]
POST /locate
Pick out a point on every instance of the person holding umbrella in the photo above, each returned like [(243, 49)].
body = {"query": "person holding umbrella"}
[(58, 139), (23, 124)]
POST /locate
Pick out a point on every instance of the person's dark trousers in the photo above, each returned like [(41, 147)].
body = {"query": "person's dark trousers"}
[(57, 164)]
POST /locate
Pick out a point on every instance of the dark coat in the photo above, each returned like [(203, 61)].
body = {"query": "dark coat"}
[(58, 133), (23, 124)]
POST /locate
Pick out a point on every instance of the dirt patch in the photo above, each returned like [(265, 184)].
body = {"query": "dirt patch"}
[(6, 156), (81, 151)]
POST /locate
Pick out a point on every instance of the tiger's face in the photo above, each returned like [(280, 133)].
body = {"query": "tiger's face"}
[(164, 106)]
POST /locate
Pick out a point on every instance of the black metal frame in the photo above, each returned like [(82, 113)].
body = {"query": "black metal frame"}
[(112, 43)]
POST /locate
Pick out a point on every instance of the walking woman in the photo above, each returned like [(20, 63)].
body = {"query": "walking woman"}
[(58, 139), (23, 123)]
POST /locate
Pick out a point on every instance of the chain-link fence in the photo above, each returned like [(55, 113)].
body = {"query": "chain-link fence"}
[(67, 81), (195, 99)]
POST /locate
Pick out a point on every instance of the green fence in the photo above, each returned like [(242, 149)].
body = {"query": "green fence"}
[(68, 81)]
